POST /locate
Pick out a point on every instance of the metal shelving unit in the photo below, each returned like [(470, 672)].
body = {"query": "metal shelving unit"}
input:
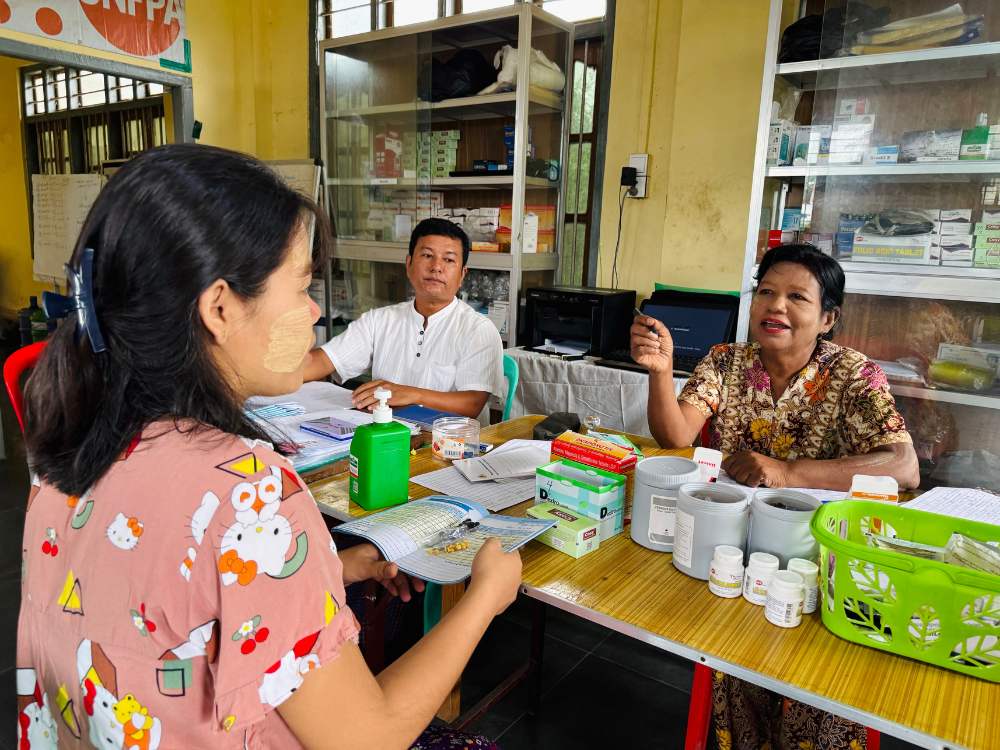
[(369, 84), (896, 311)]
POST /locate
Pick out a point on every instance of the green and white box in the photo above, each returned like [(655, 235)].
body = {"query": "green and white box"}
[(592, 492), (574, 534)]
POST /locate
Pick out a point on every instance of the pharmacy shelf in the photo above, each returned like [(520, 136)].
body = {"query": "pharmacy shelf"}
[(961, 62), (985, 401), (501, 182), (395, 252), (484, 107), (941, 169), (928, 282)]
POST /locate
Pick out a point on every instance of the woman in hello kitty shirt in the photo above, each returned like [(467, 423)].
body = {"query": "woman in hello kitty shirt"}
[(181, 589)]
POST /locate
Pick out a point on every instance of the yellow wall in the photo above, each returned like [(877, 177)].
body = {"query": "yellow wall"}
[(16, 283), (250, 83), (685, 88)]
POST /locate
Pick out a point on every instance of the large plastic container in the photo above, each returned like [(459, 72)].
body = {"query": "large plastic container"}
[(924, 609), (654, 504), (779, 524), (708, 515), (380, 459)]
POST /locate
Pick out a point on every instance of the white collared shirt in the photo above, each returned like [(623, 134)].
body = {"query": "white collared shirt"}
[(458, 350)]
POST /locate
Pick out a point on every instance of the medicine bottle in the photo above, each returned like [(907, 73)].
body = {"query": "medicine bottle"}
[(810, 577), (725, 575), (784, 599), (761, 567)]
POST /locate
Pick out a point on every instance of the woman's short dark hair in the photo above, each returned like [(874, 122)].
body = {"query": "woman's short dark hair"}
[(827, 272), (441, 228), (171, 222)]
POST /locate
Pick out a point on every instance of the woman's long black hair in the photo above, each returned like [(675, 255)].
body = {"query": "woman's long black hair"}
[(166, 226)]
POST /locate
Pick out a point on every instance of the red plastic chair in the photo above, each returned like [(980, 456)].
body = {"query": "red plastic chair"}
[(700, 707), (14, 368)]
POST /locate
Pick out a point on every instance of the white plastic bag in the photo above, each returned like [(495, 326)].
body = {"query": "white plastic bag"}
[(544, 73)]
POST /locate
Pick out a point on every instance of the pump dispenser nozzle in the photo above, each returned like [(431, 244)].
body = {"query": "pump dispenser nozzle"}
[(382, 413)]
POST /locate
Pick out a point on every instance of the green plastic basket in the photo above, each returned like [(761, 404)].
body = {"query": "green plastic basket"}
[(942, 614)]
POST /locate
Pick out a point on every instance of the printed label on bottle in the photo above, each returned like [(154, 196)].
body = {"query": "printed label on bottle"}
[(724, 584), (662, 519), (354, 466), (812, 596), (452, 448), (787, 614), (684, 538)]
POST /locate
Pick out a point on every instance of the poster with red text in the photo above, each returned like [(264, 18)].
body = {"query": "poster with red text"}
[(149, 29)]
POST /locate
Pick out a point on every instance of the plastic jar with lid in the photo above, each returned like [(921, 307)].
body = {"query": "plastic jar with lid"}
[(654, 505), (760, 569), (810, 577), (784, 599), (708, 515), (725, 576)]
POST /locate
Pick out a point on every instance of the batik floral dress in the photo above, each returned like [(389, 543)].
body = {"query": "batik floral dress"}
[(176, 602), (838, 405)]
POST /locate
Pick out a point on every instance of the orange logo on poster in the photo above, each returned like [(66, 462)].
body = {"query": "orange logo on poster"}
[(137, 27)]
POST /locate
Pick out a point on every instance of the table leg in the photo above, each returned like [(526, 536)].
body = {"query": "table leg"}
[(452, 705), (699, 709), (537, 653)]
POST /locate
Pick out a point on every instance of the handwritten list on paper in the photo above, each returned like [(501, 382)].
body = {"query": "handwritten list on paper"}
[(60, 204)]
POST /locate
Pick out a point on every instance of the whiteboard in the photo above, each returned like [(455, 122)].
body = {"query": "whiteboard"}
[(59, 205)]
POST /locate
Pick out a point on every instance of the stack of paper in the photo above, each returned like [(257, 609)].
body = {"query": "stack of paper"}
[(281, 418), (496, 495)]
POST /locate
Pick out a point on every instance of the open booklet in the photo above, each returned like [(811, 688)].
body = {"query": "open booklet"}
[(412, 535)]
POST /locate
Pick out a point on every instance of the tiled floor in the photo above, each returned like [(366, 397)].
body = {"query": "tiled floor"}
[(599, 689)]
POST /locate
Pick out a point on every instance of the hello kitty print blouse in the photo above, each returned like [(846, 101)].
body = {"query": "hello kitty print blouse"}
[(176, 602)]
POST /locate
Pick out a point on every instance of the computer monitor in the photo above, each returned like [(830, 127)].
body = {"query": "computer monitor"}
[(697, 321)]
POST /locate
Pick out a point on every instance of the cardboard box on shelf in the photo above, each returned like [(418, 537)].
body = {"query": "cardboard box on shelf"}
[(877, 248), (779, 142), (930, 145), (955, 249), (982, 356)]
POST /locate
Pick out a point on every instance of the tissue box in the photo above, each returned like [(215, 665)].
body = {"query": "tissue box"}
[(599, 495), (573, 534), (593, 452)]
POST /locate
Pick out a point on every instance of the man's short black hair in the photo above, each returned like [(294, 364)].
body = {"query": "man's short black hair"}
[(441, 228)]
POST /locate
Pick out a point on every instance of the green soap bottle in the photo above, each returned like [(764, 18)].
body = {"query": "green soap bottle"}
[(380, 459)]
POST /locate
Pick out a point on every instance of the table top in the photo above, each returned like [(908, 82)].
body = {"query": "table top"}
[(638, 592)]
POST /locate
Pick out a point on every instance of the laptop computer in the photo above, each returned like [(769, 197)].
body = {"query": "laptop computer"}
[(697, 321)]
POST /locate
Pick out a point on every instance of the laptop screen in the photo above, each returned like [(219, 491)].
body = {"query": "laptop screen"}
[(694, 330)]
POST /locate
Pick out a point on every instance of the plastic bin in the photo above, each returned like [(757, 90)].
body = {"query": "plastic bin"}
[(939, 613)]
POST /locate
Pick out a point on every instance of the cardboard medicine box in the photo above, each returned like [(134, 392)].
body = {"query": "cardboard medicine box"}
[(573, 534), (594, 493)]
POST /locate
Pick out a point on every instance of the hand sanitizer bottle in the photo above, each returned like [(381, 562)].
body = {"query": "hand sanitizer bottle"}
[(380, 459)]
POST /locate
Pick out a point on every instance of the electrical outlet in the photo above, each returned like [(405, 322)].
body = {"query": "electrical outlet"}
[(640, 162)]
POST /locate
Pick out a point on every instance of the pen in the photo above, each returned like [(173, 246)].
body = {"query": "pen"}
[(641, 314)]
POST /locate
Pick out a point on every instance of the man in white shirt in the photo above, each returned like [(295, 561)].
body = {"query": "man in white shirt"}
[(436, 350)]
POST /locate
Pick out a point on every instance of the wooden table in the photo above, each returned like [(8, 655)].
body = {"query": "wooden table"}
[(639, 593)]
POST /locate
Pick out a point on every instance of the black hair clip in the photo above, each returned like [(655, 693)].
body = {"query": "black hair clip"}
[(80, 299)]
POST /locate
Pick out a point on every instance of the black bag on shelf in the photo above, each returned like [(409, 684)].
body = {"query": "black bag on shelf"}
[(820, 36), (465, 74)]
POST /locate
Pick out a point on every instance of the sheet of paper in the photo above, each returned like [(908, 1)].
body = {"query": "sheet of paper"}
[(60, 204), (315, 396), (495, 496), (824, 496), (513, 459), (972, 505)]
